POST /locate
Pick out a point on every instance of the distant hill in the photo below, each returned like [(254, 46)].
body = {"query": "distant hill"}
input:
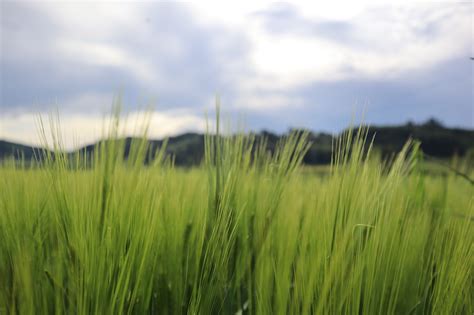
[(436, 140), (188, 149), (10, 149)]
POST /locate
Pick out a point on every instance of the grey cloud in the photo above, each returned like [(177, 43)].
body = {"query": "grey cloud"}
[(208, 59), (285, 18), (443, 92)]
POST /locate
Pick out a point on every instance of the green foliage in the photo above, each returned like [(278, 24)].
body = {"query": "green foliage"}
[(247, 232)]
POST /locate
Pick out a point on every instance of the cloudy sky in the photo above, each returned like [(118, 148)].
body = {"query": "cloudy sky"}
[(307, 64)]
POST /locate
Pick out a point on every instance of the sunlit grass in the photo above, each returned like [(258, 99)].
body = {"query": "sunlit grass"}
[(247, 232)]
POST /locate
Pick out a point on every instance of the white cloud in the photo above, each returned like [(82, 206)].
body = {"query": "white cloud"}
[(387, 42), (93, 19), (384, 44), (100, 54)]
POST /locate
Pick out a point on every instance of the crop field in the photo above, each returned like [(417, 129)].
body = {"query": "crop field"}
[(245, 233)]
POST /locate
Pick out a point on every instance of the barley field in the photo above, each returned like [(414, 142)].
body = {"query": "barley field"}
[(246, 233)]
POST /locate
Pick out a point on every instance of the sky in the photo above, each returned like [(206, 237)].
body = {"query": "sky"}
[(314, 64)]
